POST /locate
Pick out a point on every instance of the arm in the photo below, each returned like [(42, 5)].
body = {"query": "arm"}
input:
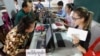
[(78, 46), (83, 45), (17, 19), (63, 13), (12, 44), (82, 49)]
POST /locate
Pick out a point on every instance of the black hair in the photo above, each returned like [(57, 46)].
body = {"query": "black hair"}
[(70, 5), (15, 0), (24, 24), (39, 0), (25, 4), (30, 1), (60, 3)]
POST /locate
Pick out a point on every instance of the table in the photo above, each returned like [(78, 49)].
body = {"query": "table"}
[(35, 38), (63, 51)]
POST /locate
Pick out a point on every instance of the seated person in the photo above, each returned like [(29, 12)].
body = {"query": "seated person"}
[(39, 5), (16, 39), (82, 20), (61, 11), (26, 9), (69, 10)]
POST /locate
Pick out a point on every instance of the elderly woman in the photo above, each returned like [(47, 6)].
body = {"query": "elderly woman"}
[(16, 38)]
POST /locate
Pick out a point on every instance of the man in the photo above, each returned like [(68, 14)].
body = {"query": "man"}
[(26, 9), (61, 11), (39, 5)]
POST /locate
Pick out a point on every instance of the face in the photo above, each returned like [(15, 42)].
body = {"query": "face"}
[(67, 9), (77, 19), (29, 7), (31, 28), (60, 7)]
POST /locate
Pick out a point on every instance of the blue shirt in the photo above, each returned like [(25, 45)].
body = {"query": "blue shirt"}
[(61, 13), (39, 5)]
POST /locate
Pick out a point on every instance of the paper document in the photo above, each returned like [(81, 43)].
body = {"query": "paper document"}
[(81, 34), (54, 26)]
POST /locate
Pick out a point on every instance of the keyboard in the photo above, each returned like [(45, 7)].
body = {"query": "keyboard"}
[(60, 41)]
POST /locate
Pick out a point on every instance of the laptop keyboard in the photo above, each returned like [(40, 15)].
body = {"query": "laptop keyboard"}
[(60, 41)]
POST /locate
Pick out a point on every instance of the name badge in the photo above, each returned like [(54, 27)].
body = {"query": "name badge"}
[(35, 52)]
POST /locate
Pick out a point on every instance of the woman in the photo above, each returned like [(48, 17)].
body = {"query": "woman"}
[(82, 20), (16, 38), (69, 10)]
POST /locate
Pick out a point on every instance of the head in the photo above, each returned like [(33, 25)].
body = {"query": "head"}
[(60, 4), (26, 25), (69, 7), (27, 6), (39, 1), (16, 1), (81, 15)]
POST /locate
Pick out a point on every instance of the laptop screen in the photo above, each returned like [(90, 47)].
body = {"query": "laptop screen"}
[(48, 35)]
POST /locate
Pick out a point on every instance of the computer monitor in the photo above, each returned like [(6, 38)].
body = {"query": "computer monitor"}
[(49, 37)]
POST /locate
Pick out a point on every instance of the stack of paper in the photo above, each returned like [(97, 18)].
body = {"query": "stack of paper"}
[(81, 34), (54, 26)]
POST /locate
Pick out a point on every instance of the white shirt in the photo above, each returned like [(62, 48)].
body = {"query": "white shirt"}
[(69, 19)]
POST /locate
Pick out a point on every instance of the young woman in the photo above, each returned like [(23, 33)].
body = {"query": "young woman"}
[(15, 39), (82, 20), (69, 10)]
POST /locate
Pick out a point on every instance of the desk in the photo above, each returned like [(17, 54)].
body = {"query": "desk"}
[(65, 52), (62, 51), (35, 38)]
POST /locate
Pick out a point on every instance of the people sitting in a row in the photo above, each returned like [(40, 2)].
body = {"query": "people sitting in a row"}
[(25, 22), (79, 18)]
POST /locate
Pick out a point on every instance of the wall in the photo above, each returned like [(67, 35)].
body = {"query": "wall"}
[(54, 2), (1, 2), (95, 7), (10, 6)]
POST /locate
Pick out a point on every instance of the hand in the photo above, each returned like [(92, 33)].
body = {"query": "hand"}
[(75, 39), (65, 24), (21, 50), (54, 15)]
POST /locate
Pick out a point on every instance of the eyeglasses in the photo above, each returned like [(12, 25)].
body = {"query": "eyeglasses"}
[(75, 18)]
